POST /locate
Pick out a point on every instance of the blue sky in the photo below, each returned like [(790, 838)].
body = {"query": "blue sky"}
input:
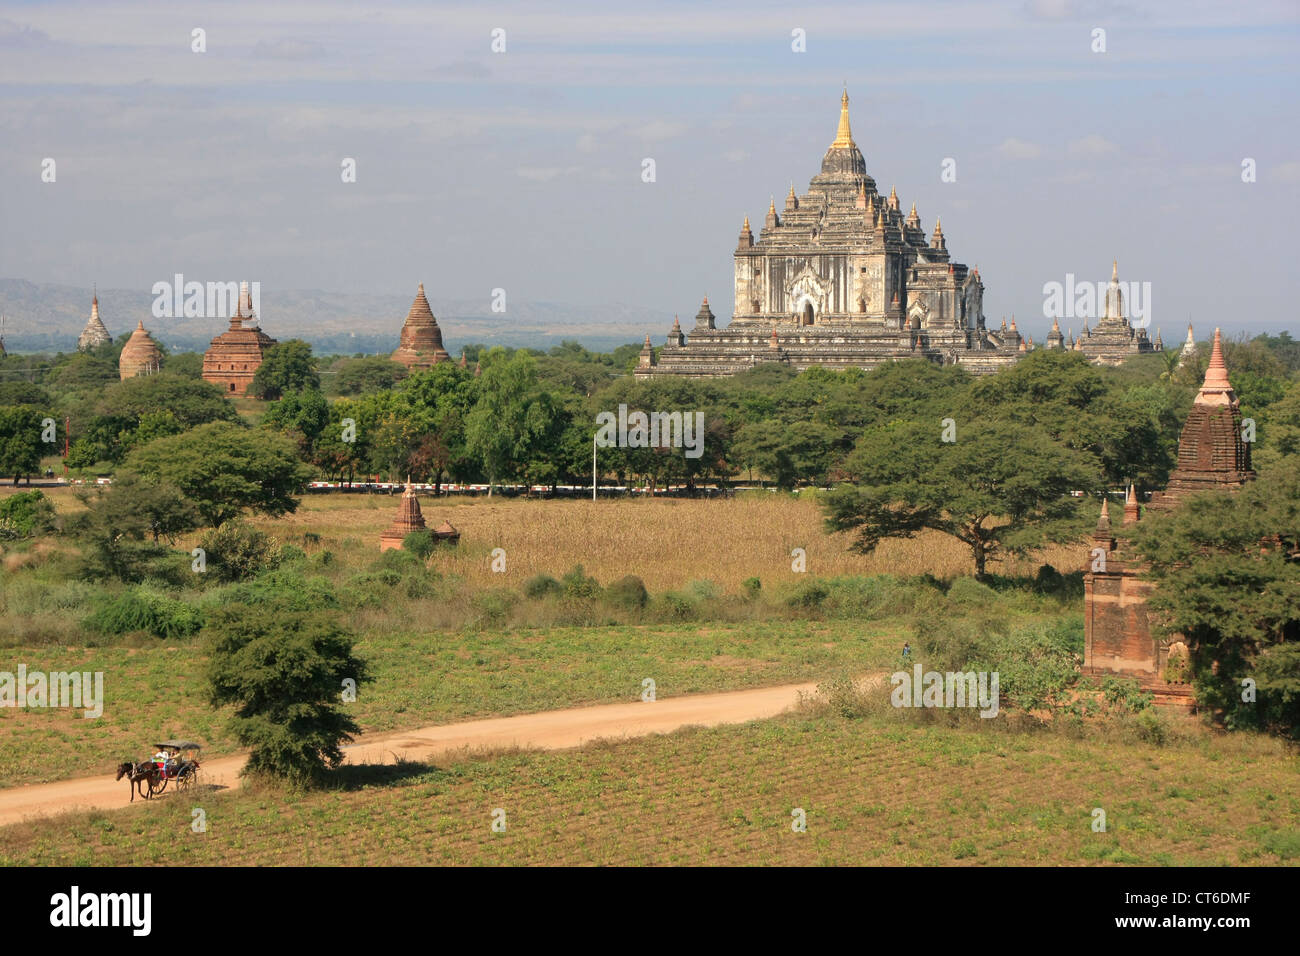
[(522, 170)]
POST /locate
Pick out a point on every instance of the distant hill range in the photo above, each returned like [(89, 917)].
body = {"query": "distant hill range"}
[(48, 318)]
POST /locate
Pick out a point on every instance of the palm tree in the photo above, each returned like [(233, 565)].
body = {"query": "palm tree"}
[(1171, 358)]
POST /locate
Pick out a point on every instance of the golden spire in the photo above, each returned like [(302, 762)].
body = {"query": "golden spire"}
[(843, 135), (745, 227), (771, 205)]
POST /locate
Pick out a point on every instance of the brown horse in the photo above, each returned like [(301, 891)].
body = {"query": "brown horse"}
[(137, 775)]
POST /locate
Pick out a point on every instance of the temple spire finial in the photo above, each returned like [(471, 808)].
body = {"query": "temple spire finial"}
[(844, 135), (1216, 374)]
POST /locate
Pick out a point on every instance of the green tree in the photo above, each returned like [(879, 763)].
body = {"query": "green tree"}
[(225, 469), (184, 364), (998, 488), (124, 525), (21, 447), (300, 415), (356, 376), (510, 417), (284, 672), (286, 367)]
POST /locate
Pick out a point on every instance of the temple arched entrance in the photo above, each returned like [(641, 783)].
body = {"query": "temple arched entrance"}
[(807, 314)]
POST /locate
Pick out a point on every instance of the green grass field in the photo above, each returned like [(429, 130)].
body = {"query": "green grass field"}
[(428, 678), (875, 791)]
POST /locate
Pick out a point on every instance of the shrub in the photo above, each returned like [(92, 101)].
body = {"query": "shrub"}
[(27, 514), (628, 592), (288, 588), (578, 586), (399, 560), (808, 596), (291, 553), (971, 593), (842, 695), (752, 587), (682, 607), (237, 552), (495, 604), (704, 590), (1125, 694), (142, 609), (542, 586), (420, 543), (1152, 726)]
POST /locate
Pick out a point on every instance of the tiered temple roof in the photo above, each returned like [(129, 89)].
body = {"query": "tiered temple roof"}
[(1114, 339), (842, 278), (236, 354), (421, 344)]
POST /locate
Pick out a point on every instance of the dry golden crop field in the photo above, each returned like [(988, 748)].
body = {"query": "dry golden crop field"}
[(873, 791), (667, 542)]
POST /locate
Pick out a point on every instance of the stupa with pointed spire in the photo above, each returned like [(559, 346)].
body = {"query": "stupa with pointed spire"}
[(409, 518), (94, 334), (846, 280), (421, 343), (1212, 456), (234, 356), (1211, 451)]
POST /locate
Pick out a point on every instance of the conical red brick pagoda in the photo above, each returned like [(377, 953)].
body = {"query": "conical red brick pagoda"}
[(1211, 456), (1211, 451), (140, 355), (409, 518), (421, 345), (236, 354)]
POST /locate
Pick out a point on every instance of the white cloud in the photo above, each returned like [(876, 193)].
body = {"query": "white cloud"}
[(1013, 148), (544, 174), (1093, 145), (1286, 172)]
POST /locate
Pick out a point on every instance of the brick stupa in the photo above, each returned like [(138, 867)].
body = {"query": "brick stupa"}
[(421, 344), (1211, 457), (236, 354), (409, 518), (140, 355), (94, 334)]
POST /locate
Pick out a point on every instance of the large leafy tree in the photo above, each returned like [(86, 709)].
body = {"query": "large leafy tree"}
[(302, 416), (512, 414), (999, 488), (225, 469), (284, 672), (21, 447), (286, 367), (138, 410), (356, 376), (1227, 568), (124, 525)]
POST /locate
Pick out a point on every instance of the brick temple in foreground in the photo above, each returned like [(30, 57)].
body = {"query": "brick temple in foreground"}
[(841, 278), (1211, 457)]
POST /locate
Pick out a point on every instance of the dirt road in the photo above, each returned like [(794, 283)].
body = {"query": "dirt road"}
[(550, 730)]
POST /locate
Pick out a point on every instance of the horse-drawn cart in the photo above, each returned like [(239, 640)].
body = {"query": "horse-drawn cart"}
[(175, 762)]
